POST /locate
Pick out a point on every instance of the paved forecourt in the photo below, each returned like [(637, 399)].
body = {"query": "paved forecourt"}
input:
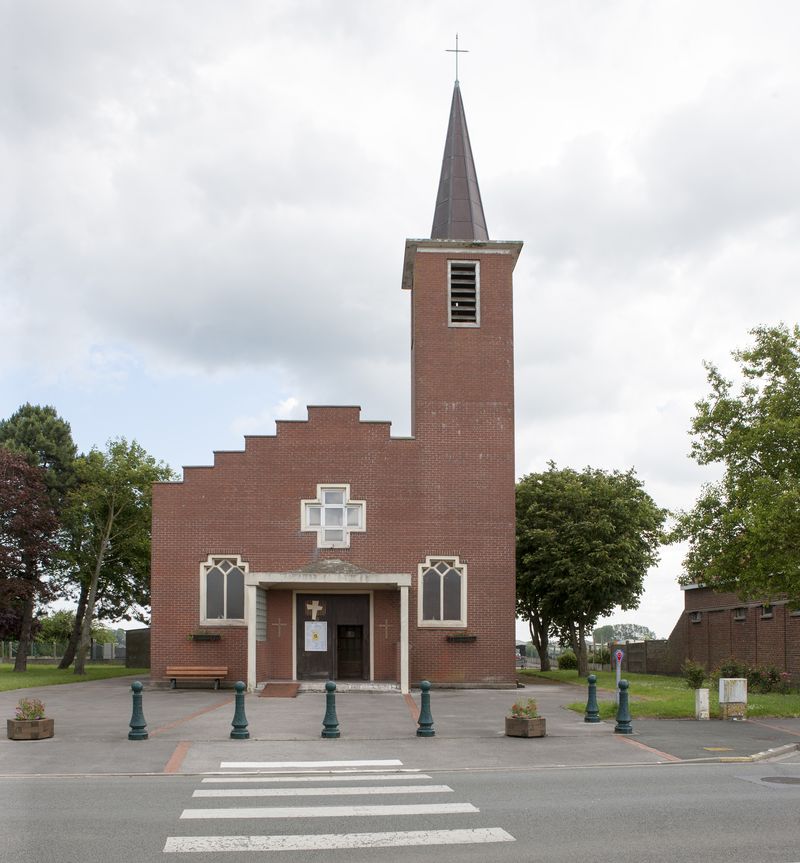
[(190, 729)]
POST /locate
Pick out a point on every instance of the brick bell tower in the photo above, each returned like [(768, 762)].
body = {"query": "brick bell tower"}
[(462, 367)]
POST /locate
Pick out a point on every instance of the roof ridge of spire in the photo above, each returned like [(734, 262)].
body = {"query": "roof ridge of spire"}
[(459, 210)]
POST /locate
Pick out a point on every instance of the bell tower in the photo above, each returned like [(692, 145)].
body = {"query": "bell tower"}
[(461, 296), (462, 412)]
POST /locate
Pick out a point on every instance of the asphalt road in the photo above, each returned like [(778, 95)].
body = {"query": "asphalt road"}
[(736, 813)]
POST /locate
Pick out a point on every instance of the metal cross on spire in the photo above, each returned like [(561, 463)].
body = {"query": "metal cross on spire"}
[(457, 51)]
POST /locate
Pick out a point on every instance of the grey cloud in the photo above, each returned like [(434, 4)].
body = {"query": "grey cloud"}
[(719, 165)]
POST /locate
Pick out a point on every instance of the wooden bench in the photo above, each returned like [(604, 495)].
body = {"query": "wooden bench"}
[(196, 672)]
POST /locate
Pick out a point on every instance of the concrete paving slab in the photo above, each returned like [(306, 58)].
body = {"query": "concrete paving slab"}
[(714, 738)]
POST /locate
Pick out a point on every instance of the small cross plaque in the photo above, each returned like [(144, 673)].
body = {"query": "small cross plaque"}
[(315, 608)]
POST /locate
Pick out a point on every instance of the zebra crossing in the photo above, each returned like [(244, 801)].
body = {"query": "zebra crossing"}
[(301, 789)]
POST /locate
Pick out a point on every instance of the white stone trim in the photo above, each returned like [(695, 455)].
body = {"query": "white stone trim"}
[(250, 610), (372, 635), (209, 563), (455, 563), (404, 639), (464, 251), (345, 582), (325, 582)]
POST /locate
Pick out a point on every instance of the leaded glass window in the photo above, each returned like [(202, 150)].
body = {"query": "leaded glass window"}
[(222, 589), (333, 516), (442, 592)]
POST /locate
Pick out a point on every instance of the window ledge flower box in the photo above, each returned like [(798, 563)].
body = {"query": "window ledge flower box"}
[(462, 637), (204, 636)]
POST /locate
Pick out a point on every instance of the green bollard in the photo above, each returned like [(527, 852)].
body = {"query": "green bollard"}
[(592, 709), (330, 723), (623, 725), (425, 719), (239, 730), (138, 724)]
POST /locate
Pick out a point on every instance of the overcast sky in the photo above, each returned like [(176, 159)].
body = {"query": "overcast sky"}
[(205, 204)]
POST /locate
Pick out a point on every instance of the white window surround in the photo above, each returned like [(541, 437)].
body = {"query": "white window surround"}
[(333, 516), (208, 564), (454, 563), (477, 321)]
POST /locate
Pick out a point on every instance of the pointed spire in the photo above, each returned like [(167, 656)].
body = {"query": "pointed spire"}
[(459, 211)]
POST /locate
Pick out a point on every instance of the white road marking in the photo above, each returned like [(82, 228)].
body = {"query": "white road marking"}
[(331, 777), (325, 841), (282, 765), (323, 792), (330, 811)]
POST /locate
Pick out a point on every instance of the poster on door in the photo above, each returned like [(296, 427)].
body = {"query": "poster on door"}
[(316, 635)]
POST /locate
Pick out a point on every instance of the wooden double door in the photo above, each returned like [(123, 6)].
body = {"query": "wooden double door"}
[(332, 636)]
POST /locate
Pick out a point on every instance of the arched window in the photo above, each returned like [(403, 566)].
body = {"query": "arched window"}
[(222, 589), (442, 588)]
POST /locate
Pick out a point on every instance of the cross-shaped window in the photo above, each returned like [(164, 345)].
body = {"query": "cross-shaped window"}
[(333, 516)]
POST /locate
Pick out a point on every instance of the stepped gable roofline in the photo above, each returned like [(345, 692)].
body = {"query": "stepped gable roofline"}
[(459, 247), (458, 214)]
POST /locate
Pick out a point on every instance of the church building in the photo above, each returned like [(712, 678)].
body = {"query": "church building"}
[(333, 550)]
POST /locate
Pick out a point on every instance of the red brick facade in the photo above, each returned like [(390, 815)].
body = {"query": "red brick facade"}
[(716, 626), (446, 491)]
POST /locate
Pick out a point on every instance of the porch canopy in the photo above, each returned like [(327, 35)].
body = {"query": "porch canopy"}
[(317, 576)]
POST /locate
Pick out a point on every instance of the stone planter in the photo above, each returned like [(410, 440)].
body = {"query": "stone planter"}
[(29, 729), (520, 727)]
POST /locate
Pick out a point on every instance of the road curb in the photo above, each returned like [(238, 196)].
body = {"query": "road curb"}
[(767, 753)]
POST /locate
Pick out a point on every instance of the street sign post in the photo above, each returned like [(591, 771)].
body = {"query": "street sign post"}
[(618, 657)]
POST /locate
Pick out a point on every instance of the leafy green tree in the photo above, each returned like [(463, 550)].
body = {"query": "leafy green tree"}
[(59, 625), (108, 515), (744, 531), (585, 541), (603, 634), (45, 439), (532, 604), (27, 542), (622, 632)]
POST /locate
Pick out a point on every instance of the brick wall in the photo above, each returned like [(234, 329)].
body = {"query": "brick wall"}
[(447, 491), (730, 627)]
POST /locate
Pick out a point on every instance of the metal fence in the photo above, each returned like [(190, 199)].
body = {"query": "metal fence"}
[(54, 650)]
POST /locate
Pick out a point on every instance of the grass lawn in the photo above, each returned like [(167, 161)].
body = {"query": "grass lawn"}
[(659, 697), (50, 675)]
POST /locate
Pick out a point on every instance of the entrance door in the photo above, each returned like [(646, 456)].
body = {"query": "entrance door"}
[(350, 649), (332, 636)]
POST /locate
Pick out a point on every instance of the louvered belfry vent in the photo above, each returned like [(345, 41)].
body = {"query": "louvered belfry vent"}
[(463, 293)]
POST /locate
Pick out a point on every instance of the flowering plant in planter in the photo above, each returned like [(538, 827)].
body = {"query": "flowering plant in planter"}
[(30, 708), (524, 709), (30, 722), (524, 720)]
